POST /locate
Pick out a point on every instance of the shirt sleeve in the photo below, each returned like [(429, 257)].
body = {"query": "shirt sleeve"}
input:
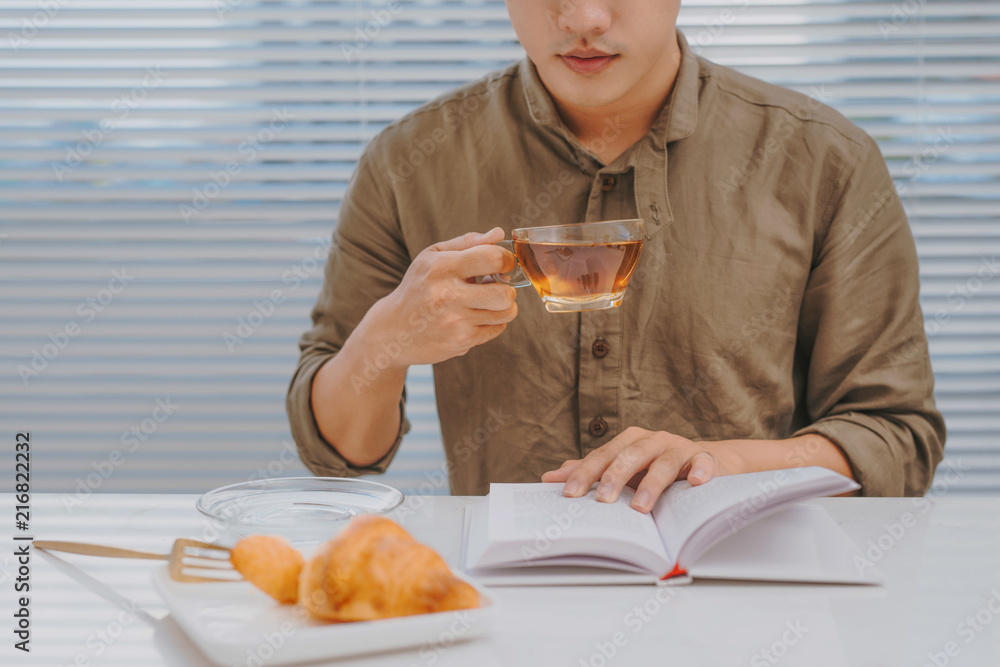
[(868, 384), (367, 260)]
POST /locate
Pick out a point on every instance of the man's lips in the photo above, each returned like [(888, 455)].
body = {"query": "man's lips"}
[(585, 63)]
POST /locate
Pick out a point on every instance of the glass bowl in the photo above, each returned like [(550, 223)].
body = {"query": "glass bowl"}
[(301, 509)]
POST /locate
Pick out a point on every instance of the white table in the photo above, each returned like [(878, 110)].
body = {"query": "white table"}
[(941, 571)]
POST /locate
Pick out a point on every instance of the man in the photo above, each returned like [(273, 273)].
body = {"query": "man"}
[(773, 320)]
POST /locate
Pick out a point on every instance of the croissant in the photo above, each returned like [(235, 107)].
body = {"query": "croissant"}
[(373, 569), (271, 564)]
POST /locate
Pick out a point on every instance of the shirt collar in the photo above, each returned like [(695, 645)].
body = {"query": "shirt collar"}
[(676, 121)]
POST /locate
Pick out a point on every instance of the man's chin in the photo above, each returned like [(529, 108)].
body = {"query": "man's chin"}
[(585, 92), (587, 99)]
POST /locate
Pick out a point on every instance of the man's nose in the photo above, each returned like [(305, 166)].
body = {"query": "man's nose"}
[(584, 17)]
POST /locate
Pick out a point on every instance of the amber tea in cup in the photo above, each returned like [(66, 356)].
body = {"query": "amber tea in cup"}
[(584, 266)]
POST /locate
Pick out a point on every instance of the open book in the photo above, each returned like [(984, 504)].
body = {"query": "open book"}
[(524, 534)]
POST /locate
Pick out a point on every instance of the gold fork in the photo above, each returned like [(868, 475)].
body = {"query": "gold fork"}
[(185, 556)]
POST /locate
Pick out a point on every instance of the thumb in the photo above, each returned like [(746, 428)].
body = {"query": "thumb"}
[(470, 240)]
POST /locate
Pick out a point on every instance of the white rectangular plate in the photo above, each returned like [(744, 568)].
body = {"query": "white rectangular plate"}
[(232, 621)]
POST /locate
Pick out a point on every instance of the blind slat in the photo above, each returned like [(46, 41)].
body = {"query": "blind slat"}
[(332, 10)]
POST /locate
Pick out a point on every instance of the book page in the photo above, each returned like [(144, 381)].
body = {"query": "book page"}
[(693, 518), (800, 543), (535, 522)]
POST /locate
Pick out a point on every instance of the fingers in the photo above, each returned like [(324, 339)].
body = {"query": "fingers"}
[(494, 296), (473, 255), (457, 261), (451, 316), (668, 468), (487, 317), (594, 466), (482, 260), (631, 459), (649, 461), (563, 472), (470, 240)]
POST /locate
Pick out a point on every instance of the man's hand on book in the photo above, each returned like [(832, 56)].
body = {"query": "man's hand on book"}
[(649, 461)]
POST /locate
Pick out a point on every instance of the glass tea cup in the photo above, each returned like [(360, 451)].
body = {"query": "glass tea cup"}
[(575, 267)]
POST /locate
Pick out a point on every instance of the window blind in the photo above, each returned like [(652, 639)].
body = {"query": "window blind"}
[(170, 173)]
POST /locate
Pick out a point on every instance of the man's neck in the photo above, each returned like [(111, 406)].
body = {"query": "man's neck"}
[(609, 131)]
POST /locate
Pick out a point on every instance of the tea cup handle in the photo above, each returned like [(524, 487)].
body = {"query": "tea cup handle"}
[(514, 278)]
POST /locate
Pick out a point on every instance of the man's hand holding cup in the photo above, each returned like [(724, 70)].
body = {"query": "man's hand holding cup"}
[(438, 310)]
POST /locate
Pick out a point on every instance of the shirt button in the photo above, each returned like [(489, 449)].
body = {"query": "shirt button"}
[(597, 427), (607, 183), (600, 348)]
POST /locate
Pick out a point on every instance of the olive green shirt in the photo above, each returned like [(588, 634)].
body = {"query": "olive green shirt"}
[(776, 293)]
